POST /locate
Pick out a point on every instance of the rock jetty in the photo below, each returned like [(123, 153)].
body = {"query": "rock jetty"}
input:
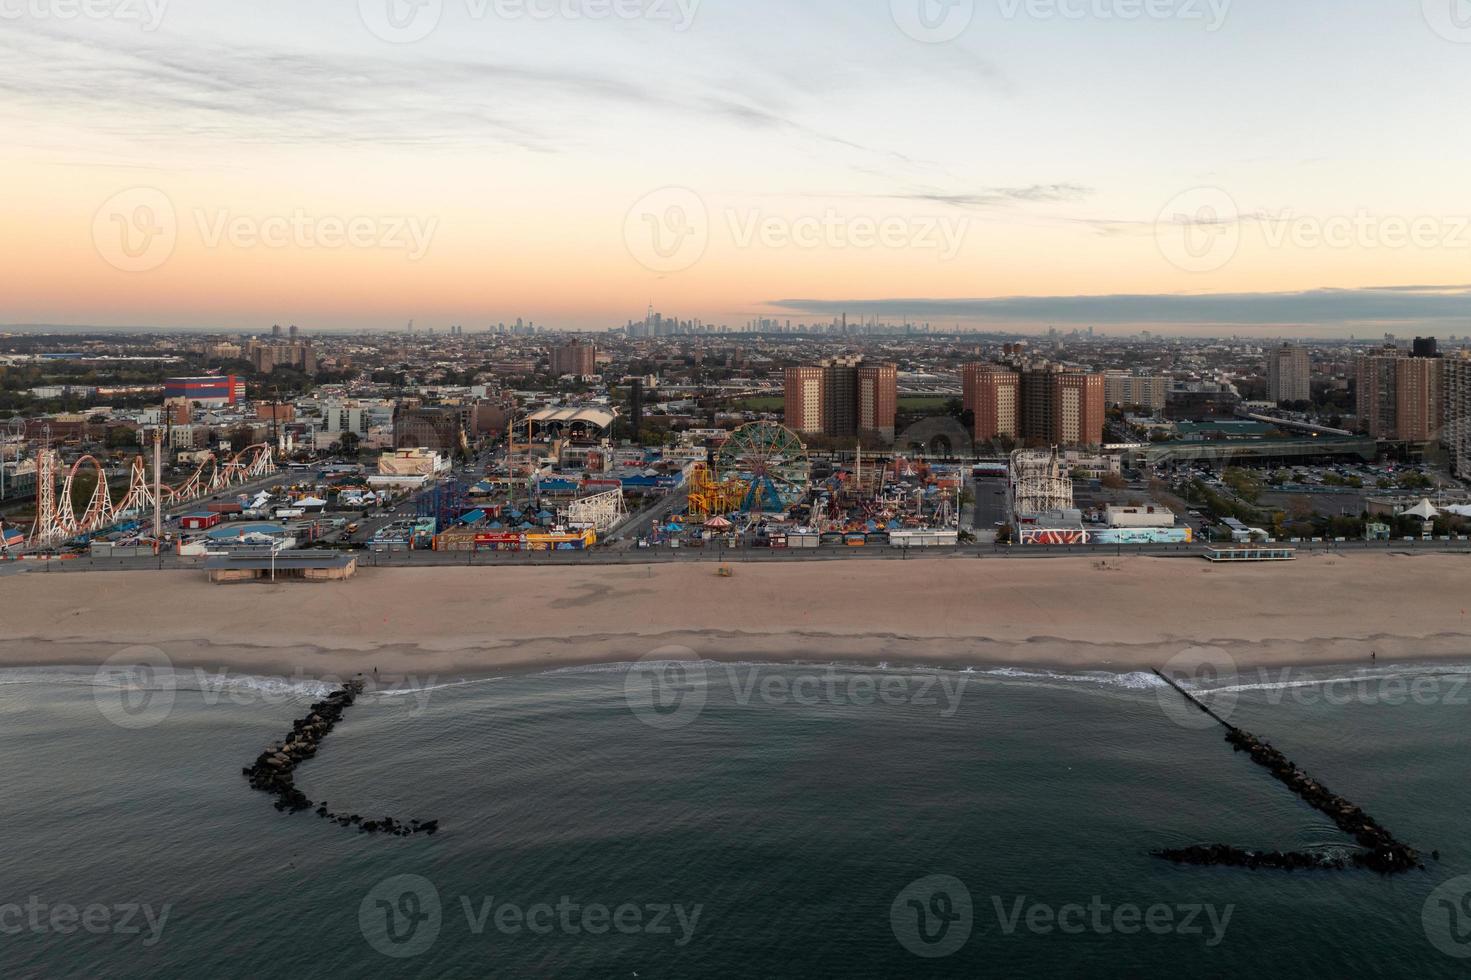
[(274, 770), (1223, 855), (1380, 850)]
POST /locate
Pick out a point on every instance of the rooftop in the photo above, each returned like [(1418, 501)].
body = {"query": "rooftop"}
[(286, 561)]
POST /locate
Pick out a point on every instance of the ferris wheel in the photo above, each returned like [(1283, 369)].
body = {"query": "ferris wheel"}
[(771, 460)]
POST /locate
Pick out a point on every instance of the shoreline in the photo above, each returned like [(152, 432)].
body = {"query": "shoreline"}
[(1067, 615)]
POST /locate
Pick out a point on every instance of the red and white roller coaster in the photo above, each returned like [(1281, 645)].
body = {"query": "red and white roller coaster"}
[(57, 520)]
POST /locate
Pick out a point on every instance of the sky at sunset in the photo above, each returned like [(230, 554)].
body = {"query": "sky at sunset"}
[(1001, 164)]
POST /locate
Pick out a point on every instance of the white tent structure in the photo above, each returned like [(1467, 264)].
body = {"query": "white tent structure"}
[(1424, 510)]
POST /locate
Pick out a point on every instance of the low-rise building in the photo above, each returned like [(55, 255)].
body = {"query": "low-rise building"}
[(1144, 515), (412, 463)]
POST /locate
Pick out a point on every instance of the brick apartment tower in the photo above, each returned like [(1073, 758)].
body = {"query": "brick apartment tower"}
[(1077, 409), (804, 399), (1047, 406), (843, 397), (1398, 398), (577, 358), (993, 395), (1456, 435), (878, 399)]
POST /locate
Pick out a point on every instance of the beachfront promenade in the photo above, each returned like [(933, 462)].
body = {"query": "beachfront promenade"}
[(664, 556)]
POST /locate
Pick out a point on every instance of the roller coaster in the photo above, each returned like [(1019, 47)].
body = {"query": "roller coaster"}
[(56, 516)]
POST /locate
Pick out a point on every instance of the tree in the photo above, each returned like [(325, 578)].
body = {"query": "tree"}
[(1301, 508)]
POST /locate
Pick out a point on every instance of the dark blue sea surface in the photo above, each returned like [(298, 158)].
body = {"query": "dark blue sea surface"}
[(765, 822)]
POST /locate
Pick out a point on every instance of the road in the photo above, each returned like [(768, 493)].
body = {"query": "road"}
[(642, 523), (991, 504)]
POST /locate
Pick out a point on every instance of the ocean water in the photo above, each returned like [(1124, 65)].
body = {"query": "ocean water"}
[(727, 821)]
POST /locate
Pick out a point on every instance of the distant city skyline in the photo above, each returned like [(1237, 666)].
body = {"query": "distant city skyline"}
[(1004, 167)]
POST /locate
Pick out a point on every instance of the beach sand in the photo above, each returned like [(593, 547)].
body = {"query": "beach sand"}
[(1084, 613)]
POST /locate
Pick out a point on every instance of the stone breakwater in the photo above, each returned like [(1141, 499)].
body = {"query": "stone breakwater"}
[(274, 770), (1380, 850)]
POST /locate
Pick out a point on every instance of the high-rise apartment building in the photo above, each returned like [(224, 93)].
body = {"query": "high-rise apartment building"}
[(1061, 407), (268, 357), (1289, 375), (843, 397), (1456, 432), (1123, 388), (1045, 405), (992, 394), (577, 358), (878, 399), (1399, 398), (840, 396), (804, 399)]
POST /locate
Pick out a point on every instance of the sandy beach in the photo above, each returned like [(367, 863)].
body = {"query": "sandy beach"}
[(1115, 614)]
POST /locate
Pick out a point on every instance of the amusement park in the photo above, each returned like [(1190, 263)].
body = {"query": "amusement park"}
[(761, 487)]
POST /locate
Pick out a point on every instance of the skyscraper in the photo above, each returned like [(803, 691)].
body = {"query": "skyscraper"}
[(1289, 375)]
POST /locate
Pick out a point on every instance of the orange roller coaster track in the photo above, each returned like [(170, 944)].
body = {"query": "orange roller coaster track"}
[(57, 519)]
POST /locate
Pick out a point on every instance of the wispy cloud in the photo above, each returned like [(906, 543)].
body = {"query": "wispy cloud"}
[(992, 197), (150, 89)]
